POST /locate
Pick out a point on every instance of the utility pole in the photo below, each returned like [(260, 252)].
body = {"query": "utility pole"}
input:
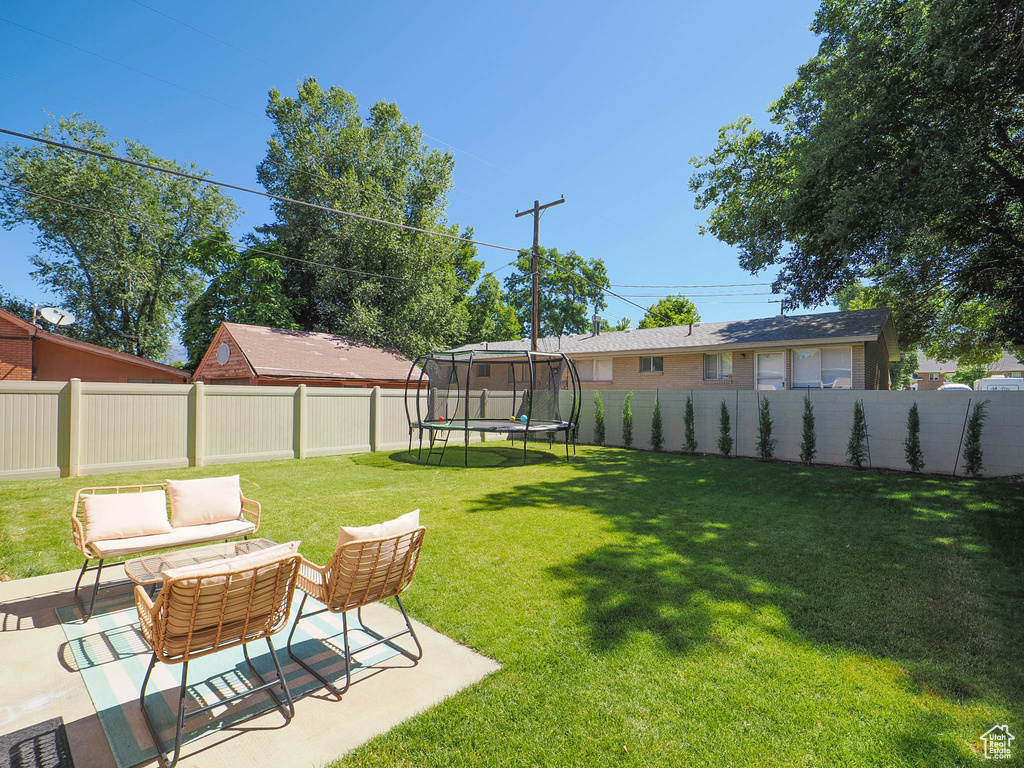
[(535, 265)]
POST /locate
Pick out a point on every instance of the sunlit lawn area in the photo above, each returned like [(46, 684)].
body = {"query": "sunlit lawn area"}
[(657, 610)]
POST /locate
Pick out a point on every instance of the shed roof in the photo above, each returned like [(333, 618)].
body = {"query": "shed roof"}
[(859, 325), (95, 349), (282, 353)]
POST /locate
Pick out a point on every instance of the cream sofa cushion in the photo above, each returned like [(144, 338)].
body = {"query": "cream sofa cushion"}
[(177, 537), (124, 515), (249, 560), (406, 522), (208, 500)]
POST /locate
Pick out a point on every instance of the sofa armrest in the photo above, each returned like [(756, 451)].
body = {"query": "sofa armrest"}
[(251, 511), (77, 531)]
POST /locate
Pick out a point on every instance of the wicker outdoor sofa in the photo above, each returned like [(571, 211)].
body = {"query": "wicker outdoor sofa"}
[(117, 521)]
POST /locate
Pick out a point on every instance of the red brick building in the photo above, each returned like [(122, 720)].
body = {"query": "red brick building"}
[(29, 353), (253, 354)]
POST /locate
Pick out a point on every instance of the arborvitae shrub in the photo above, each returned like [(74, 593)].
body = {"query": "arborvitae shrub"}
[(657, 428), (627, 421), (912, 445), (972, 443), (598, 419), (809, 443), (724, 431), (690, 445), (765, 442), (856, 449)]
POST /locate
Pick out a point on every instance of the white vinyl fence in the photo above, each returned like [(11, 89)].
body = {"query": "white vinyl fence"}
[(62, 429), (943, 417)]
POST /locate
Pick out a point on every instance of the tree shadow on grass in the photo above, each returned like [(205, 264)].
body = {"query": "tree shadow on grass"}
[(926, 572)]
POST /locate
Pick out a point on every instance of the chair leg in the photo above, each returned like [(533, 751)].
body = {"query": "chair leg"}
[(287, 706), (87, 612), (180, 724), (326, 683), (348, 650)]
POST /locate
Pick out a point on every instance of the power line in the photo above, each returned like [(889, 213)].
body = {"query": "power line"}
[(153, 224), (249, 190), (217, 39), (606, 290), (720, 285), (131, 68)]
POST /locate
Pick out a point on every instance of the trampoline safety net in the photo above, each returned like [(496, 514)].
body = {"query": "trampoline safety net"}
[(484, 391)]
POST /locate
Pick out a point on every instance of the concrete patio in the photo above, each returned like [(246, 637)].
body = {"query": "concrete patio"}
[(38, 684)]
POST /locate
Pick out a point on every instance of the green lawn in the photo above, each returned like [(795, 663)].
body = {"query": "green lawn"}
[(657, 610)]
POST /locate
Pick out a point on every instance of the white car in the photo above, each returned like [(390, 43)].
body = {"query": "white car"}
[(951, 385)]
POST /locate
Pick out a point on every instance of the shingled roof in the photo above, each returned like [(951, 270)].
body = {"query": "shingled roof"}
[(859, 325), (277, 352), (1007, 362)]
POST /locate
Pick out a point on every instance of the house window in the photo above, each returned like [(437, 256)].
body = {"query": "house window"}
[(483, 370), (599, 369), (823, 368), (652, 364), (933, 377), (1013, 374), (718, 367)]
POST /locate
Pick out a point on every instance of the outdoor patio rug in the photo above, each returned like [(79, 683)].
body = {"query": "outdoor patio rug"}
[(112, 656), (43, 745)]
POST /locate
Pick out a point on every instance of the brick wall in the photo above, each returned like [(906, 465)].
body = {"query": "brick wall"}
[(15, 352), (925, 384)]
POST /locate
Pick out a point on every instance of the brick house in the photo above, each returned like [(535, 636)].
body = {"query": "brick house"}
[(29, 353), (835, 350), (932, 374), (253, 354)]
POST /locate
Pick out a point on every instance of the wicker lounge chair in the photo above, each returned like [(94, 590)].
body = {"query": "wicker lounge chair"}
[(359, 573), (204, 609)]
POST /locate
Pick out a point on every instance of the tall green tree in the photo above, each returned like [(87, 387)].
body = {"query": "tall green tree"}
[(491, 318), (672, 310), (376, 283), (857, 295), (569, 287), (247, 289), (896, 155), (133, 248), (15, 305)]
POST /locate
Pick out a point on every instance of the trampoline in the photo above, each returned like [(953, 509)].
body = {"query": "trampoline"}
[(518, 394)]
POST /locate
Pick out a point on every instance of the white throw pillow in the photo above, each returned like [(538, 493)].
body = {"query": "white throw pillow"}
[(122, 515), (406, 522), (238, 562), (209, 500)]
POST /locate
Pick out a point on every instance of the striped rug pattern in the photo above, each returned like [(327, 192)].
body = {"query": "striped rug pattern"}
[(112, 656)]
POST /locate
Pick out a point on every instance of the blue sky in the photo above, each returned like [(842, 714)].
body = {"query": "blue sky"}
[(602, 102)]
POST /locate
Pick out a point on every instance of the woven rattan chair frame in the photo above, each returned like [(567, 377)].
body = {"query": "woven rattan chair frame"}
[(251, 511), (206, 612), (360, 573)]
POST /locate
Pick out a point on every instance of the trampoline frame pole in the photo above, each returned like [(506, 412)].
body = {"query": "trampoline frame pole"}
[(469, 381)]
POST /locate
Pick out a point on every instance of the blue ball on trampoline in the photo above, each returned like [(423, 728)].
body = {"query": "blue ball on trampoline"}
[(524, 418)]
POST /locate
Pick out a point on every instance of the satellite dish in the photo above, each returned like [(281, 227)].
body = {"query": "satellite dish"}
[(58, 317)]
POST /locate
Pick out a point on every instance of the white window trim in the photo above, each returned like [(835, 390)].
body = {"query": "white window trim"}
[(757, 360), (933, 377), (718, 367), (821, 384)]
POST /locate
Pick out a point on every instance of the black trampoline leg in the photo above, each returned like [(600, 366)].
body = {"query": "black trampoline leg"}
[(466, 461), (566, 445)]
